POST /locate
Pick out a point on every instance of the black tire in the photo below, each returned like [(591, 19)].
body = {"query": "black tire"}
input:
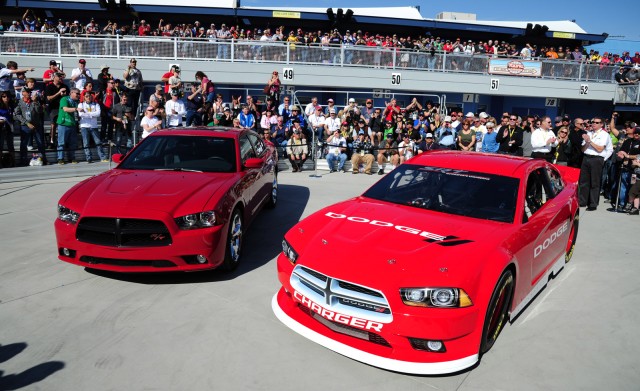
[(497, 311), (273, 197), (234, 241), (573, 236)]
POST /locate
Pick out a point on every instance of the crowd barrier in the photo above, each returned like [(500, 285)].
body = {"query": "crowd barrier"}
[(204, 49)]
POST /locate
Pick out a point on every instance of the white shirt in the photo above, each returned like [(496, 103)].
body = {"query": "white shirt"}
[(150, 122), (539, 139), (336, 143), (602, 139), (332, 123), (310, 109), (316, 121), (174, 119), (82, 80), (89, 114)]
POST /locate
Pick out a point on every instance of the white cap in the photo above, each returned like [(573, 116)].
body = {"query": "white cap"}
[(351, 100), (470, 115), (447, 118), (489, 125), (429, 135), (483, 115)]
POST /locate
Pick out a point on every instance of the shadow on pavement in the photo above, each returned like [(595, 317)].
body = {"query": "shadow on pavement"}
[(262, 243), (29, 376)]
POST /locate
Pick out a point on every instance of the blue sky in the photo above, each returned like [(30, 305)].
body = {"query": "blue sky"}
[(619, 20)]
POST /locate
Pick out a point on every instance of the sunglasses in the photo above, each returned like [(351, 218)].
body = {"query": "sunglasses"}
[(596, 122)]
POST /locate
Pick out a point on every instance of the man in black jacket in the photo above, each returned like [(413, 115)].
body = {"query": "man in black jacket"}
[(510, 138), (575, 139)]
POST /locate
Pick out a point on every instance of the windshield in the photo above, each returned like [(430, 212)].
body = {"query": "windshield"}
[(463, 193), (183, 153)]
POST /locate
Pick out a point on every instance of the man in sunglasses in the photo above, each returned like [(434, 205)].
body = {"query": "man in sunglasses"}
[(597, 148)]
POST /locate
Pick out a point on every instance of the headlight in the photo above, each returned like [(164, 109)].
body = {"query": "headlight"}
[(67, 215), (289, 251), (197, 220), (435, 297)]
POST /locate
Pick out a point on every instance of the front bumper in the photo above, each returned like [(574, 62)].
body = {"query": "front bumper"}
[(177, 256), (389, 345)]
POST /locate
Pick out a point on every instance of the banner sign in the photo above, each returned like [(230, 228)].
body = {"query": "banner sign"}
[(514, 67)]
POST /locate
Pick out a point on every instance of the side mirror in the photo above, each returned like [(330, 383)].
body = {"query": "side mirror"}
[(253, 162), (117, 157)]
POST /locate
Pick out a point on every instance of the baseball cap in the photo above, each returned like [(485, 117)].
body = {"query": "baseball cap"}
[(389, 135), (361, 132), (484, 115), (429, 135), (332, 111), (226, 108), (329, 100), (103, 66), (447, 118), (558, 119), (82, 61), (159, 87), (361, 121), (53, 62), (295, 108), (489, 125), (351, 100), (566, 118), (470, 115), (345, 123), (318, 107)]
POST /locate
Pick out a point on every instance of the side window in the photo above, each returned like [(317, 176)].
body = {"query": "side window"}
[(536, 193), (246, 150), (258, 144), (555, 181)]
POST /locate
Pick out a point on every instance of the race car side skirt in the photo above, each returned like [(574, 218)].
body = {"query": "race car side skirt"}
[(542, 282), (368, 358)]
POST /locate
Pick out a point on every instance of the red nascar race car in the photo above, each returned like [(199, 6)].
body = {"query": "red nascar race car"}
[(421, 273), (179, 201)]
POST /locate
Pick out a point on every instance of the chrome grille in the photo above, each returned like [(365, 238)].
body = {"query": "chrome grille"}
[(341, 296)]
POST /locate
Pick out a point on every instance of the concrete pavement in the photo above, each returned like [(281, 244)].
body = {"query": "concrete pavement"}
[(65, 328)]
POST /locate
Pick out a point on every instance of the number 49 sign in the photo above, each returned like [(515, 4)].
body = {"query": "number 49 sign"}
[(287, 74)]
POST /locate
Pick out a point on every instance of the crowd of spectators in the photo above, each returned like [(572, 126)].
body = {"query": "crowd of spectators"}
[(298, 38), (101, 109)]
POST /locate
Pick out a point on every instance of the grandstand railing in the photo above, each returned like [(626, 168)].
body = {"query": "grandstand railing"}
[(176, 48), (628, 94)]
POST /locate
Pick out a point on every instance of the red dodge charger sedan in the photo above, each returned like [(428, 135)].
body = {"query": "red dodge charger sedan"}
[(421, 273), (179, 201)]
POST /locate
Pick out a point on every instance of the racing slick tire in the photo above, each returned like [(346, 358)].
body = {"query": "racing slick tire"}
[(573, 236), (234, 241), (497, 311)]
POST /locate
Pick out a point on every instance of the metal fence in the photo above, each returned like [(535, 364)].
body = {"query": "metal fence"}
[(175, 48)]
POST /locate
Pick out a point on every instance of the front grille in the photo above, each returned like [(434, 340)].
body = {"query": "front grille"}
[(159, 263), (347, 330), (341, 296), (358, 288), (123, 232)]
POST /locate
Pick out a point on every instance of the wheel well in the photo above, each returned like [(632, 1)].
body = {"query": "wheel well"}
[(511, 267)]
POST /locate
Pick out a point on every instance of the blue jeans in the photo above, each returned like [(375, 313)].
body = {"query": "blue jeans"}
[(625, 182), (332, 157), (87, 135), (193, 117), (223, 51), (67, 141), (26, 135)]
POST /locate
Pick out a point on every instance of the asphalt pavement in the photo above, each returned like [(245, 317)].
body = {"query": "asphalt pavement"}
[(63, 327)]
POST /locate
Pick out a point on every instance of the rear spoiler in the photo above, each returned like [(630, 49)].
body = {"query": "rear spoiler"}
[(569, 174)]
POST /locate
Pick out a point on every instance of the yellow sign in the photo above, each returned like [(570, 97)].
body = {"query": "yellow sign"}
[(286, 14), (560, 34)]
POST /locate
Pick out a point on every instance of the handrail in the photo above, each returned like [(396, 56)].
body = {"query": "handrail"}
[(241, 51)]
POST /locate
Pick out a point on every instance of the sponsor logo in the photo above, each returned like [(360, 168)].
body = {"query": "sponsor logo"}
[(348, 320), (157, 236), (429, 236), (548, 241)]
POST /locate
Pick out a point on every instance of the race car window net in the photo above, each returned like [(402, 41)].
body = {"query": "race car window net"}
[(183, 153), (457, 192)]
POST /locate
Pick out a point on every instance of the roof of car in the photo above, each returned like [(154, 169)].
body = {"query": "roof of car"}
[(489, 163), (218, 131)]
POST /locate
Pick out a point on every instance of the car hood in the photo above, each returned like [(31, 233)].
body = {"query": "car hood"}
[(359, 235), (123, 192)]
